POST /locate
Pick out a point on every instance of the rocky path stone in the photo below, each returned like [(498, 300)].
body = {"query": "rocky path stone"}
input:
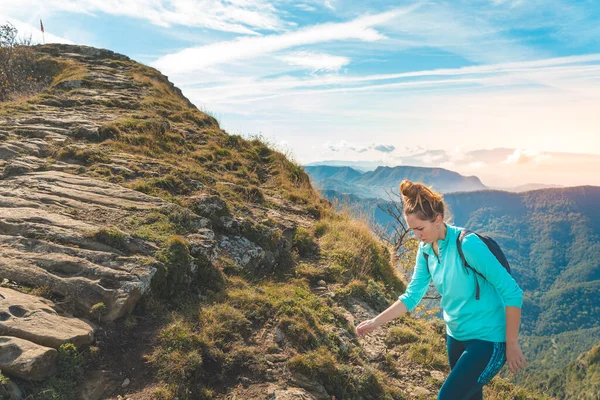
[(48, 226), (27, 360), (48, 223), (75, 191), (34, 319), (98, 384)]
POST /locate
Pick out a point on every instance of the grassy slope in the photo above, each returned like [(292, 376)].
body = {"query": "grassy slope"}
[(217, 329)]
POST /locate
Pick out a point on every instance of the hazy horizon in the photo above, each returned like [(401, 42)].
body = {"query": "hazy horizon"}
[(497, 167)]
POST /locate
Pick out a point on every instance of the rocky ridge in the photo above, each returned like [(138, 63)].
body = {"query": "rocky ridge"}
[(48, 219), (59, 225)]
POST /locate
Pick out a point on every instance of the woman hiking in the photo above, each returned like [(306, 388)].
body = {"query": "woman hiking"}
[(481, 308)]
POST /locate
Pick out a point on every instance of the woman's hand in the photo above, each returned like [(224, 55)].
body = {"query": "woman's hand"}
[(514, 357), (366, 327)]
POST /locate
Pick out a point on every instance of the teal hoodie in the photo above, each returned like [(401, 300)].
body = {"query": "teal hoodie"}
[(466, 318)]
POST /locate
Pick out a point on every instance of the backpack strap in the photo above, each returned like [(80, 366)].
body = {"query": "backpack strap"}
[(459, 240), (427, 262)]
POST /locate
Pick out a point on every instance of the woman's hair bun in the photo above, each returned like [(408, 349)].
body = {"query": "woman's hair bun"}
[(421, 200), (409, 189)]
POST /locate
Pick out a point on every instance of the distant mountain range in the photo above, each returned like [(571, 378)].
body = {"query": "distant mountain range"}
[(382, 180), (367, 179)]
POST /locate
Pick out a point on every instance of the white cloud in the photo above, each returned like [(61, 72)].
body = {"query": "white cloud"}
[(344, 146), (509, 3), (384, 148), (316, 61), (432, 157), (305, 7), (446, 165), (524, 156), (566, 73), (198, 58), (477, 165), (244, 16)]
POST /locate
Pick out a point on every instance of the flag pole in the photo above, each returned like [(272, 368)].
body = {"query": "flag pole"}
[(43, 34)]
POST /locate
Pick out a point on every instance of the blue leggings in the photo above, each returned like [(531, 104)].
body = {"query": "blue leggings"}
[(473, 363)]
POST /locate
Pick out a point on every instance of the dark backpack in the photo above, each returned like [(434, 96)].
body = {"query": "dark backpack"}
[(490, 243)]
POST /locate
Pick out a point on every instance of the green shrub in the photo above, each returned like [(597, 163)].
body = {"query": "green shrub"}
[(594, 355), (71, 363), (173, 277), (247, 193), (312, 272), (255, 304), (208, 279), (223, 325), (339, 379), (3, 379), (42, 291), (69, 373), (370, 292), (303, 242), (23, 71), (425, 354), (244, 359), (166, 392), (98, 310), (322, 366), (299, 333), (351, 244), (220, 152), (85, 155), (130, 322), (112, 237), (177, 356), (399, 335), (108, 131), (142, 185), (321, 228), (155, 226)]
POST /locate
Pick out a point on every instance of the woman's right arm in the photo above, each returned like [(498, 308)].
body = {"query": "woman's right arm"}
[(407, 302), (394, 311)]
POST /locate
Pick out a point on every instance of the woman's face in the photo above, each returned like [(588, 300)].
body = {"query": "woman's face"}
[(425, 231)]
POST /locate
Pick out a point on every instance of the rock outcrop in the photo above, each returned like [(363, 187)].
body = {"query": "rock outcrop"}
[(56, 226), (51, 236), (33, 319), (25, 359), (65, 231)]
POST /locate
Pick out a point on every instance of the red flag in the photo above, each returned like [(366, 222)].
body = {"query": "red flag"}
[(41, 26)]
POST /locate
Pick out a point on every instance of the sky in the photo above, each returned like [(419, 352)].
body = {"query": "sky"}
[(507, 90)]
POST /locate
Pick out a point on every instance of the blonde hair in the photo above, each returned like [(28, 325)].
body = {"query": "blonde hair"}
[(420, 200)]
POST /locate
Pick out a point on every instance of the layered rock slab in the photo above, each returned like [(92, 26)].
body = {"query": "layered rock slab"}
[(26, 360), (34, 319), (49, 224)]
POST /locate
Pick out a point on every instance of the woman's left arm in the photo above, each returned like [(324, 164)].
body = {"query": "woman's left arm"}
[(514, 355)]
